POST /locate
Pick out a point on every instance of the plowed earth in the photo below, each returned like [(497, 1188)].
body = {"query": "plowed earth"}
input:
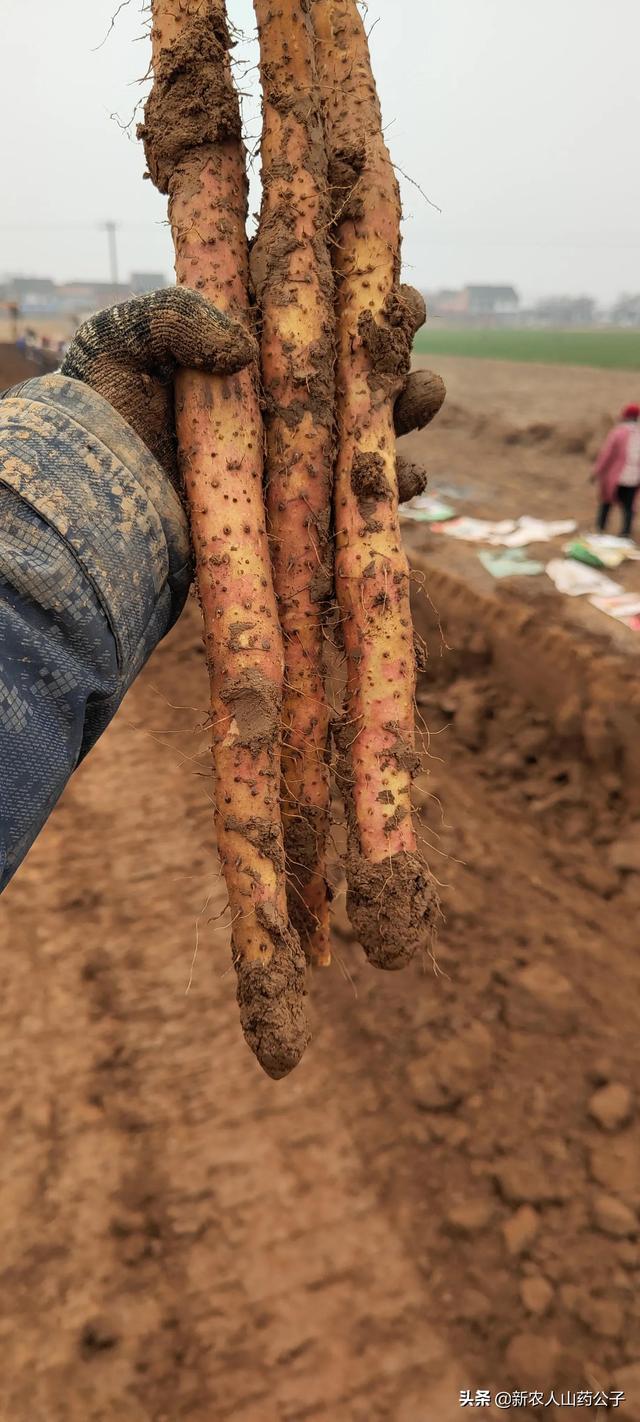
[(446, 1194)]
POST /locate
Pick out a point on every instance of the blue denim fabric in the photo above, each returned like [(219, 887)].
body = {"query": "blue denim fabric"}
[(94, 570)]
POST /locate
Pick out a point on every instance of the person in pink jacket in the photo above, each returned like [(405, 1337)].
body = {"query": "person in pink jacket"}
[(617, 469)]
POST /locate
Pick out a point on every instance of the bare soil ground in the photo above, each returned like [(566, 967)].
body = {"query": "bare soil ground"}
[(57, 328), (446, 1194), (16, 366), (522, 439)]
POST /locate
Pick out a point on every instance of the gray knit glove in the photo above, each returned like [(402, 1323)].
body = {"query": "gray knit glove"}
[(129, 355)]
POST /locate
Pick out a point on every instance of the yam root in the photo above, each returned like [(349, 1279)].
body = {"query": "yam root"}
[(292, 276), (194, 151), (391, 898)]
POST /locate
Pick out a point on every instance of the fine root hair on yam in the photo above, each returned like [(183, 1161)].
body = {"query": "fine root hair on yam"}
[(376, 319), (194, 152)]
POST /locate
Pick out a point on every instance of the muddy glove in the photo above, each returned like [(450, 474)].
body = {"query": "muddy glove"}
[(417, 404), (129, 355)]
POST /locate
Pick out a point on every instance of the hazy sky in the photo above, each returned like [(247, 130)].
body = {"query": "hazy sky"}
[(520, 120)]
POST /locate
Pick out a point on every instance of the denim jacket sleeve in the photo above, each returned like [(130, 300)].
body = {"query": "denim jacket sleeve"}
[(94, 570)]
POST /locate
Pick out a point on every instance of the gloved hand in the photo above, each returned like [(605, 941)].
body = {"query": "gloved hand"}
[(417, 404), (129, 354)]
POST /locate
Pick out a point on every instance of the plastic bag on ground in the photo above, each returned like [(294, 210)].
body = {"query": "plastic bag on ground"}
[(509, 563), (577, 580)]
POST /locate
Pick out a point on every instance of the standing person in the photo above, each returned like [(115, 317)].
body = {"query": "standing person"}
[(617, 469)]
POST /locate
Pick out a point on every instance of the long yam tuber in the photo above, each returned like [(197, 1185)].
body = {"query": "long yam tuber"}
[(291, 271), (390, 895), (195, 154)]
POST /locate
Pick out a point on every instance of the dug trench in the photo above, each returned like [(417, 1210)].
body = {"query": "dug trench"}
[(446, 1193)]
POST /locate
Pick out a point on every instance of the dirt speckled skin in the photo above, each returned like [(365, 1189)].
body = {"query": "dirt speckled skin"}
[(194, 149), (291, 270), (375, 322)]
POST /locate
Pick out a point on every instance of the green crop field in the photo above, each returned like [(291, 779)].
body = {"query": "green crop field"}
[(606, 350)]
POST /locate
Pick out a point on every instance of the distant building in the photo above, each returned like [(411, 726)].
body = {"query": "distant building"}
[(626, 311), (22, 286), (475, 303), (492, 300), (91, 295), (447, 303), (147, 281), (40, 296), (32, 294), (562, 311)]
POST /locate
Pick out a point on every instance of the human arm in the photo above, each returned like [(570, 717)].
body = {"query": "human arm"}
[(94, 545)]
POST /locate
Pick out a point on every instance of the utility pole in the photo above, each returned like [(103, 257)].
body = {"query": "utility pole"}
[(111, 228)]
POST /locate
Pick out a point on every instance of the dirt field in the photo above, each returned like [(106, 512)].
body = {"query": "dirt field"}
[(521, 439), (523, 436), (57, 328), (446, 1194), (16, 366)]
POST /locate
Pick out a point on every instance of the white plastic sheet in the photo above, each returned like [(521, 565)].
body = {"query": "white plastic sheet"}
[(578, 579)]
